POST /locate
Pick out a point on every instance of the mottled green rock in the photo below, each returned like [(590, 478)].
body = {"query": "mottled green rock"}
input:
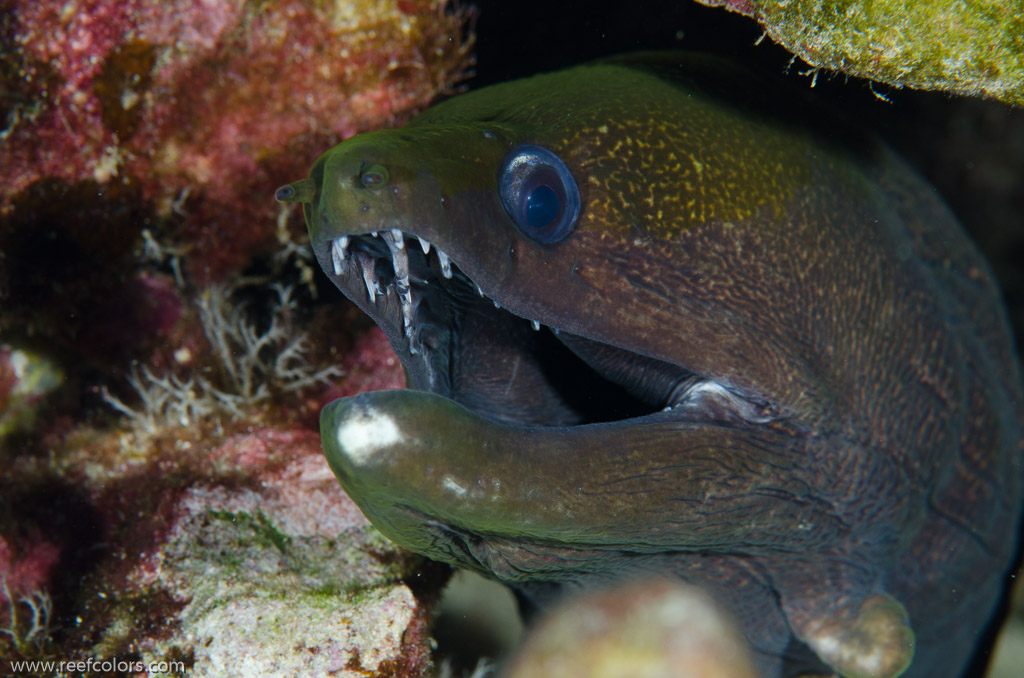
[(972, 47)]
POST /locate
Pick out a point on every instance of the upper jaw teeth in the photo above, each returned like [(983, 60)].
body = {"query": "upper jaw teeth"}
[(341, 258), (395, 240), (446, 263), (400, 262), (339, 255)]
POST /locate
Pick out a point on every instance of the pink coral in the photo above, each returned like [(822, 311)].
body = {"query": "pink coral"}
[(143, 140), (28, 571), (208, 104), (141, 144)]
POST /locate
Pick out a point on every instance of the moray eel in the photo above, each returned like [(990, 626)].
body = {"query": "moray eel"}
[(658, 314)]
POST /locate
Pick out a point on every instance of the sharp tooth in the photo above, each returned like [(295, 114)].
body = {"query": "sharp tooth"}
[(407, 312), (479, 290), (338, 257), (375, 234), (425, 245), (394, 239), (496, 305), (405, 295), (446, 263), (535, 325), (344, 242), (400, 262), (370, 280)]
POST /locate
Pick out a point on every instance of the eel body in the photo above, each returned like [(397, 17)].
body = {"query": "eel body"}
[(659, 316)]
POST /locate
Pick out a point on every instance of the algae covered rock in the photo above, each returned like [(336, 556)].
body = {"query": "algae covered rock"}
[(287, 581), (224, 556), (973, 47)]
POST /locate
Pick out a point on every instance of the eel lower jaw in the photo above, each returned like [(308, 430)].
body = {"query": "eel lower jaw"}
[(518, 501), (432, 456)]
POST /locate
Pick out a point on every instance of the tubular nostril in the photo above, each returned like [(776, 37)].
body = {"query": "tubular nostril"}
[(303, 190)]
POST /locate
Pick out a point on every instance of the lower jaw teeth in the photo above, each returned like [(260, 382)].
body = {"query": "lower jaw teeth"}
[(408, 310)]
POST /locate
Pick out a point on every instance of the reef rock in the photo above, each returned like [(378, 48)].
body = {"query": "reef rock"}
[(206, 105), (220, 548), (972, 47)]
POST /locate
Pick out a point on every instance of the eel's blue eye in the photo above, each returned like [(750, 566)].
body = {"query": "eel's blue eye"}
[(539, 193), (542, 206)]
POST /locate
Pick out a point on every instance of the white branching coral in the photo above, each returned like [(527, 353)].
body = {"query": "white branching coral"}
[(253, 361), (29, 636), (256, 360), (166, 401)]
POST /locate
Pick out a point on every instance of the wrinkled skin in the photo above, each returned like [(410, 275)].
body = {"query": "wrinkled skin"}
[(768, 361)]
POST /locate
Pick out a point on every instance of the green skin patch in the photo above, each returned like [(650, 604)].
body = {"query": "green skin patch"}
[(762, 357)]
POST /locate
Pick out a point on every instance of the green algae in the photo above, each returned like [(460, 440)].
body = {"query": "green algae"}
[(261, 530), (969, 47), (247, 546)]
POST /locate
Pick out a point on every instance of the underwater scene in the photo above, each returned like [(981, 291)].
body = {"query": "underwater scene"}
[(449, 339)]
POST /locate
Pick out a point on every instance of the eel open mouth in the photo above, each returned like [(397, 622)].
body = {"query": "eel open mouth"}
[(457, 342)]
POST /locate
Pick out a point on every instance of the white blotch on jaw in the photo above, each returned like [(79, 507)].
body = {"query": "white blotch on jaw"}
[(363, 434), (449, 484)]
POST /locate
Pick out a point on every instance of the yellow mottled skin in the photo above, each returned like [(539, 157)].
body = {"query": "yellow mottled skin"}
[(683, 159)]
